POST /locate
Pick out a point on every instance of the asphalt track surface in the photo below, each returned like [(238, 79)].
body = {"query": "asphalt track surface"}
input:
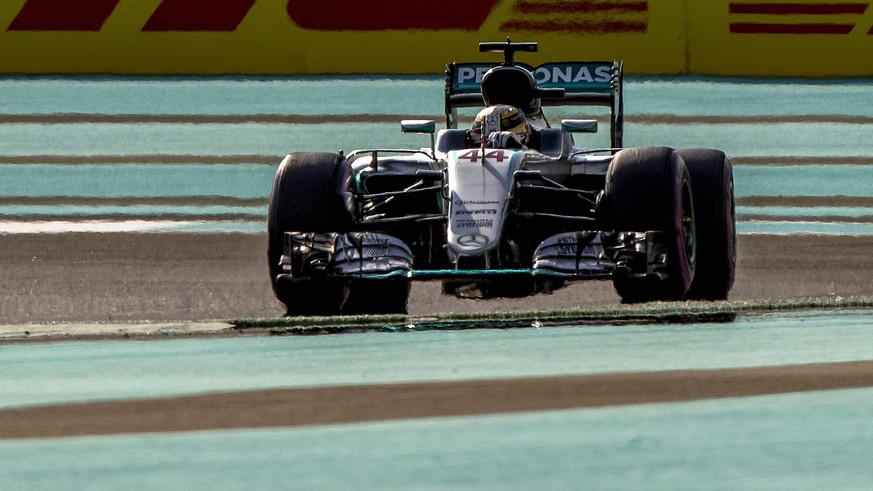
[(117, 277), (111, 277)]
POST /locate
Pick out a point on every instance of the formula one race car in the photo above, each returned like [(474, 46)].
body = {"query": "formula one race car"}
[(508, 208)]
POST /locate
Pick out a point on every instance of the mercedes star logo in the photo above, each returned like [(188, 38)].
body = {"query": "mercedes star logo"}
[(472, 240)]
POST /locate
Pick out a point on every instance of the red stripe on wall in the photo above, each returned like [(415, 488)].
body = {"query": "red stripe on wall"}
[(376, 15), (63, 15), (798, 8), (762, 28), (198, 15), (539, 7), (606, 27)]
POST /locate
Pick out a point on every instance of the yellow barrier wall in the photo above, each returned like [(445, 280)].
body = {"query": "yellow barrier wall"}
[(721, 37), (807, 38)]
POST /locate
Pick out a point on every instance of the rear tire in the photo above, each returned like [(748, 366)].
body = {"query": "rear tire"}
[(308, 195), (713, 182), (649, 189)]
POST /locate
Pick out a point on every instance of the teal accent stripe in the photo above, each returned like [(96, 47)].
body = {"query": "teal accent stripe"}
[(470, 272)]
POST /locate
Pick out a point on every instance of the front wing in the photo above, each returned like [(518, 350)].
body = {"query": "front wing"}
[(367, 255)]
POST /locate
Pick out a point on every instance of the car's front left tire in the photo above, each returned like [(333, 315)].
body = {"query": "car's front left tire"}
[(648, 189), (712, 179)]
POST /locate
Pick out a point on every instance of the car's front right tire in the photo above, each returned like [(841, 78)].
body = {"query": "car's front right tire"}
[(308, 195)]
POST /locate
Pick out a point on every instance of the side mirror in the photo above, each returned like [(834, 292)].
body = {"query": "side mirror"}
[(420, 126), (579, 125)]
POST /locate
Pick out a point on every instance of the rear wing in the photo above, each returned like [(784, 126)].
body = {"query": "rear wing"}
[(597, 83)]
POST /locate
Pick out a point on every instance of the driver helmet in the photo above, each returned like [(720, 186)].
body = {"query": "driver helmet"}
[(497, 118)]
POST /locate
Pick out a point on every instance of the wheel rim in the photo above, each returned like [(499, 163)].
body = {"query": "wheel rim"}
[(688, 225), (732, 222)]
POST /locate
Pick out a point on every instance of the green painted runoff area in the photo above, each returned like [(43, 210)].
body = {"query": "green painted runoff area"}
[(798, 441)]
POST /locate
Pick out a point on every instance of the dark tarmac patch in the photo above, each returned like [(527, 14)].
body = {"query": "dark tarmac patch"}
[(158, 277)]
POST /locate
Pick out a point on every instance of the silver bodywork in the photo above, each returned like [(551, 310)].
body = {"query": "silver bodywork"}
[(478, 187)]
